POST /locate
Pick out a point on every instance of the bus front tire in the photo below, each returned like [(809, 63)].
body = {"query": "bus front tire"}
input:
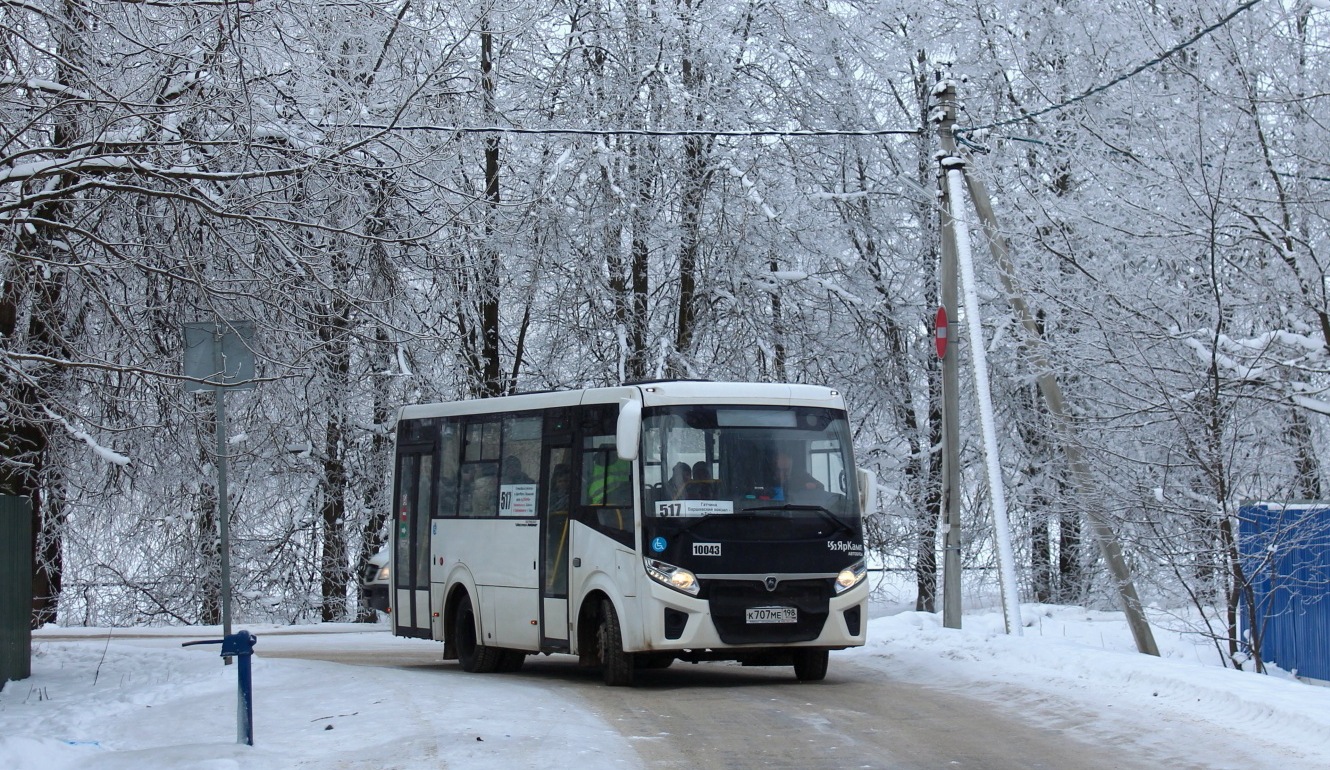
[(652, 660), (475, 658), (616, 665), (810, 665)]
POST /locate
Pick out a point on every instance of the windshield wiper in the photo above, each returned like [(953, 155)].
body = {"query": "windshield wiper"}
[(833, 518)]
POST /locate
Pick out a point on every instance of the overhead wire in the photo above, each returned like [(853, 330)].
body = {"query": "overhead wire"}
[(1113, 152), (959, 131), (773, 133)]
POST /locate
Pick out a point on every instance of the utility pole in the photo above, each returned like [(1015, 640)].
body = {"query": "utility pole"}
[(1051, 391), (951, 431), (1057, 409), (953, 167)]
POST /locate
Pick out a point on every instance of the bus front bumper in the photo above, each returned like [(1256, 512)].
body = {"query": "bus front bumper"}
[(738, 617)]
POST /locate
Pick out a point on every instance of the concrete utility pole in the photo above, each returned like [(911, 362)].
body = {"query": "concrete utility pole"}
[(1052, 393), (953, 168), (951, 430)]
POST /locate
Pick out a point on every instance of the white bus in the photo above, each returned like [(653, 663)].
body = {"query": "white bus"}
[(632, 526)]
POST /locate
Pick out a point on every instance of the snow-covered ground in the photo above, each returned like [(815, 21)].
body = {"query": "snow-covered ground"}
[(105, 700)]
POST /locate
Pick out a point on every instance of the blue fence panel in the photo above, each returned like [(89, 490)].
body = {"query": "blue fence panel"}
[(1286, 557)]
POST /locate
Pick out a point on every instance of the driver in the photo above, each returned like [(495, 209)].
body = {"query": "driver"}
[(791, 479)]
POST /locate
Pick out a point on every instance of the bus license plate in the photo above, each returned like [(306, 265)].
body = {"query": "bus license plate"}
[(773, 615)]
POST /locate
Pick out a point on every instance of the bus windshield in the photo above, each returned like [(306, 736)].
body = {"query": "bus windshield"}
[(730, 465)]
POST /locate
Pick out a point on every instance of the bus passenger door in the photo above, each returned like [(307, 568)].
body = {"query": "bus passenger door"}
[(556, 545), (412, 498)]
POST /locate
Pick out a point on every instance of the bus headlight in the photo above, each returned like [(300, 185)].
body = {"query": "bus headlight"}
[(851, 576), (677, 578)]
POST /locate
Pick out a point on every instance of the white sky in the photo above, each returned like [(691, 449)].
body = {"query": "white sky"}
[(99, 704)]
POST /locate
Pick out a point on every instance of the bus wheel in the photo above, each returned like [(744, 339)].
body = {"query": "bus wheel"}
[(475, 658), (810, 665), (653, 660), (511, 661), (616, 665)]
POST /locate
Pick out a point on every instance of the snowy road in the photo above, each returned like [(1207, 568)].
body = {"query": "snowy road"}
[(714, 716), (1070, 693)]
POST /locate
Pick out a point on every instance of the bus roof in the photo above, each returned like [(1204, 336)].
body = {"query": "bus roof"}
[(664, 393)]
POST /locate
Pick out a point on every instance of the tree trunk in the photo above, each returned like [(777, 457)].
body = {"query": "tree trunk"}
[(1071, 586), (207, 531), (690, 237), (36, 289), (332, 516), (334, 333), (487, 278)]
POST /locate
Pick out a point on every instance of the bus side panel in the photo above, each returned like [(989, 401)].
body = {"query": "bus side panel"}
[(603, 565), (501, 556), (499, 552), (510, 617)]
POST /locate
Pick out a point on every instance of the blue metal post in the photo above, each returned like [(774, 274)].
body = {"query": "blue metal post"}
[(240, 645)]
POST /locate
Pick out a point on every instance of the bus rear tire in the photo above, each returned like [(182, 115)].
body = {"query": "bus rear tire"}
[(616, 665), (511, 661), (810, 665), (475, 658)]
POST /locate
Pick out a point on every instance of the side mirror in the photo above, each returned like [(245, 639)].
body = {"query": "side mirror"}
[(628, 430), (867, 490)]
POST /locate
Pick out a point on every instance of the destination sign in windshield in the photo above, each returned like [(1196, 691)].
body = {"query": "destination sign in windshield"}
[(669, 509)]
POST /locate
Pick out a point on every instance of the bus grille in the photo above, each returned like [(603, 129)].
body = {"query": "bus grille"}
[(730, 601)]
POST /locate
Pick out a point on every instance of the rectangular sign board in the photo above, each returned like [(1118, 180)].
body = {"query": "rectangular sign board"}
[(231, 366)]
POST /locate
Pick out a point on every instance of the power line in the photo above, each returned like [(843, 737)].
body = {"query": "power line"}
[(1119, 79), (1114, 152), (640, 131)]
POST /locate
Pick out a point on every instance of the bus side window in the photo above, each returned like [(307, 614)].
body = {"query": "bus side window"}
[(449, 446), (607, 482), (479, 484)]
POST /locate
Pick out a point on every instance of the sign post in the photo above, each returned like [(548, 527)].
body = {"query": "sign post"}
[(219, 357)]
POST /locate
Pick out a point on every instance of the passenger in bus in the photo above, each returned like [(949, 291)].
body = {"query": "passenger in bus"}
[(513, 473), (790, 479), (702, 487), (484, 498), (466, 485), (610, 481), (561, 488), (678, 483)]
